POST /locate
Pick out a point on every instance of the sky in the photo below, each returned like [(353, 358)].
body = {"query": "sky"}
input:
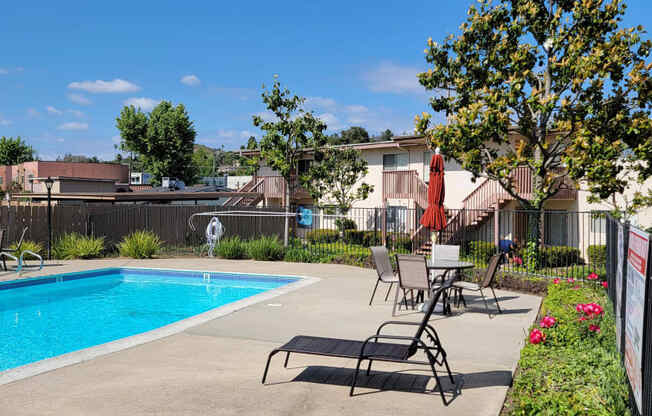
[(67, 68)]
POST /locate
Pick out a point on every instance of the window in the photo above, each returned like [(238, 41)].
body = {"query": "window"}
[(303, 166), (395, 161)]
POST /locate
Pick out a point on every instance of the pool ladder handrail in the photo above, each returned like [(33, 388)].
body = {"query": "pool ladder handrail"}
[(20, 260)]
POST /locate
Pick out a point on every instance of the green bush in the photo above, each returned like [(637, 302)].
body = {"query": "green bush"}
[(265, 249), (300, 255), (559, 256), (231, 248), (399, 242), (76, 246), (574, 371), (481, 250), (597, 254), (322, 236), (344, 224), (28, 245), (140, 245), (354, 237)]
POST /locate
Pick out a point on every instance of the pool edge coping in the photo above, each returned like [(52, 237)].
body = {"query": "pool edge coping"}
[(86, 354)]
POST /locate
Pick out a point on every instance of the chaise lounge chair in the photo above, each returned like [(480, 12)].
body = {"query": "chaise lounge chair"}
[(397, 349)]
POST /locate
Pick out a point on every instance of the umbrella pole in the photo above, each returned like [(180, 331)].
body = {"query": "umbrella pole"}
[(433, 240)]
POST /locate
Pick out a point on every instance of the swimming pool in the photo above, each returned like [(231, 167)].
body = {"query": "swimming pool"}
[(45, 317)]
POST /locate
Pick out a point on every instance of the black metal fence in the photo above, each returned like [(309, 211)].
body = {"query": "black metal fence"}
[(630, 290)]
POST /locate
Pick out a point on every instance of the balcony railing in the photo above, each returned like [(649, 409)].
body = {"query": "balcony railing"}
[(405, 184)]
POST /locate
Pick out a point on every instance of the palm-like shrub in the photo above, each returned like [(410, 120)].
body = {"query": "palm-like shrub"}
[(140, 245), (28, 245), (266, 248), (231, 248), (76, 246)]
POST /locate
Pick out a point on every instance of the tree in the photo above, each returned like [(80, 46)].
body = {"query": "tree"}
[(287, 137), (204, 160), (163, 139), (69, 157), (572, 86), (336, 176), (15, 151), (385, 136), (350, 136)]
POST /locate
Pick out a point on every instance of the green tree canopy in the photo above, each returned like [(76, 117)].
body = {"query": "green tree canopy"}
[(350, 136), (573, 85), (69, 157), (334, 179), (385, 136), (14, 151), (163, 139), (292, 132)]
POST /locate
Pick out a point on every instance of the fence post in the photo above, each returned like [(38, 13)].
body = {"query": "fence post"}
[(375, 225), (497, 226)]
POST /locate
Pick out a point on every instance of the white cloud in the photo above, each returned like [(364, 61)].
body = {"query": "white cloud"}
[(331, 121), (389, 77), (73, 125), (4, 122), (79, 99), (32, 112), (144, 103), (191, 80), (76, 113), (60, 140), (245, 134), (321, 102), (116, 139), (100, 87), (54, 111), (4, 71), (267, 116), (356, 109)]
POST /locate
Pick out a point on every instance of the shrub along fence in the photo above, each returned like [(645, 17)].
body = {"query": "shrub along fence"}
[(630, 291)]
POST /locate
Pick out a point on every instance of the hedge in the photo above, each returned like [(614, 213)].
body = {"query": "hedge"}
[(322, 236), (481, 251), (597, 254), (559, 256)]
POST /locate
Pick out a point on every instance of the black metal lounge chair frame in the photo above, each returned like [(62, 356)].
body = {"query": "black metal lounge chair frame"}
[(435, 354)]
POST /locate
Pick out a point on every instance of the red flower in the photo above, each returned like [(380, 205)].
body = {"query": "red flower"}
[(547, 322), (605, 284), (537, 336), (518, 261), (579, 307), (583, 318), (594, 328), (592, 276), (570, 280), (556, 280)]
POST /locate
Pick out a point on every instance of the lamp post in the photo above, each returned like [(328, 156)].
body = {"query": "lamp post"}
[(48, 184)]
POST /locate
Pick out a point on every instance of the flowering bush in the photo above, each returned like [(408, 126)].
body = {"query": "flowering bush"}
[(605, 284), (556, 280), (570, 364), (592, 276)]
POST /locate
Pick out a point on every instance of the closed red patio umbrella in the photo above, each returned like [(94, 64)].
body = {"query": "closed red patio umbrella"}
[(435, 218)]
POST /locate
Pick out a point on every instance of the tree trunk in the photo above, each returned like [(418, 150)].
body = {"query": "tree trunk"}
[(287, 211)]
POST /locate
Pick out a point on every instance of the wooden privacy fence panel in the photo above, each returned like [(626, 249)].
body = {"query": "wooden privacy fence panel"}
[(170, 223), (65, 219)]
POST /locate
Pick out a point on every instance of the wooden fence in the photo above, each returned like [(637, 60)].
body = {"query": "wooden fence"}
[(113, 222)]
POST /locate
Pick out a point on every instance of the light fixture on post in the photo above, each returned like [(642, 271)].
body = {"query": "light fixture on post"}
[(48, 184)]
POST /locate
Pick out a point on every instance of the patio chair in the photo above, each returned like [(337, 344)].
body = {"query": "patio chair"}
[(384, 270), (412, 275), (396, 349), (14, 252), (487, 282), (444, 252)]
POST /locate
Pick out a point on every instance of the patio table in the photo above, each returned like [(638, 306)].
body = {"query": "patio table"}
[(446, 265)]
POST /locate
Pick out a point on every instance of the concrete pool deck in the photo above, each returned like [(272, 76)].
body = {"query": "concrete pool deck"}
[(216, 367)]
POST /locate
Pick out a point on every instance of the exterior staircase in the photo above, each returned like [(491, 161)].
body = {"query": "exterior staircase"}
[(256, 184), (405, 184), (480, 205)]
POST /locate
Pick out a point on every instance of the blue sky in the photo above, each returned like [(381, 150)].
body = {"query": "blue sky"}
[(67, 68)]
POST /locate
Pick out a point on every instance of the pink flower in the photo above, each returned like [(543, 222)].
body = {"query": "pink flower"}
[(588, 308), (583, 318), (594, 328), (592, 276), (547, 322), (605, 284), (537, 336), (556, 280), (570, 280), (579, 307), (518, 261)]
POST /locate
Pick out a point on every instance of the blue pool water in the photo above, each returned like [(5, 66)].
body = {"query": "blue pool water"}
[(46, 317)]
